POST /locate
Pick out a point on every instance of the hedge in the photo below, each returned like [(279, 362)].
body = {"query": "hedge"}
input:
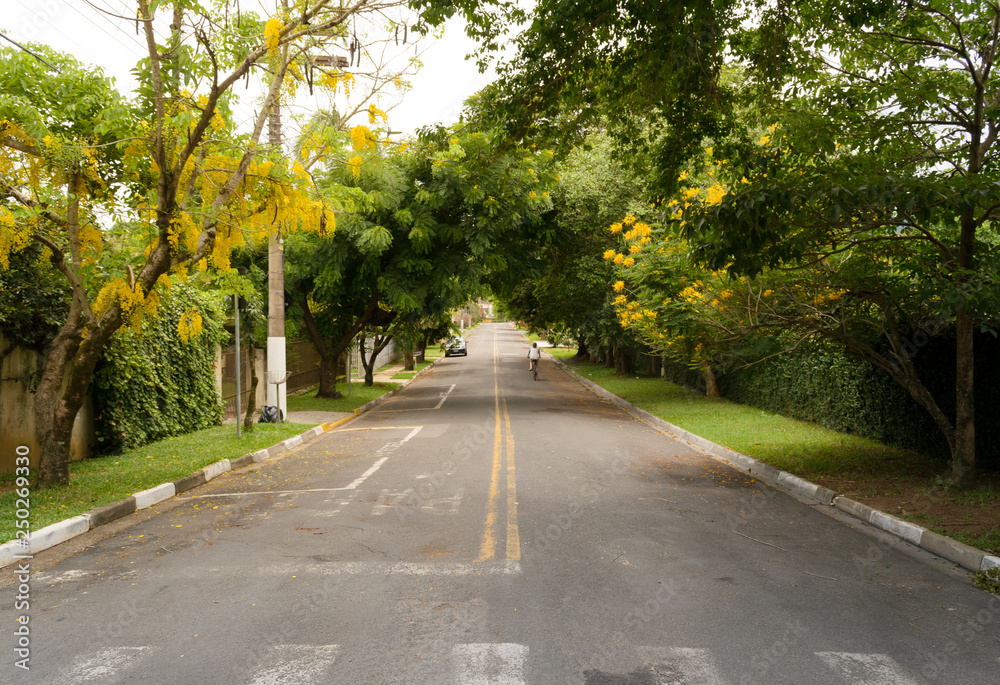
[(826, 386), (152, 384)]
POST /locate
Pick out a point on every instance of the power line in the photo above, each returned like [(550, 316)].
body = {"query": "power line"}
[(11, 40)]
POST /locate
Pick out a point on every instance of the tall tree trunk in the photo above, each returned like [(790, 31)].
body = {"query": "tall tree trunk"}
[(711, 383), (66, 374), (963, 458), (623, 360), (252, 398), (963, 462), (328, 368), (408, 361), (581, 346), (368, 360)]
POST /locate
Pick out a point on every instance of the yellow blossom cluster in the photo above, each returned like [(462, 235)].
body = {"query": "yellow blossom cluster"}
[(272, 31), (131, 300), (355, 164), (14, 237), (362, 138), (639, 232), (90, 243), (374, 114), (189, 325), (691, 294), (333, 81)]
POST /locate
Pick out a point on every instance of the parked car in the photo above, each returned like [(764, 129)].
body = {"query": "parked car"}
[(455, 345)]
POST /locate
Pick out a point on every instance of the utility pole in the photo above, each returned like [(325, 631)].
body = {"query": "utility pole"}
[(276, 367)]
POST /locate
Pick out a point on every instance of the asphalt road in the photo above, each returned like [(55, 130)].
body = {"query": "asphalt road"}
[(481, 528)]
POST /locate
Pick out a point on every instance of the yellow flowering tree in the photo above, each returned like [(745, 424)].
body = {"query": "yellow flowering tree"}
[(126, 197)]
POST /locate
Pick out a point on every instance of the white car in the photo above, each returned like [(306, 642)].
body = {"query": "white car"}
[(455, 345)]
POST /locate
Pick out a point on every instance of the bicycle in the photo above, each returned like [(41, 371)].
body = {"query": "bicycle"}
[(534, 369)]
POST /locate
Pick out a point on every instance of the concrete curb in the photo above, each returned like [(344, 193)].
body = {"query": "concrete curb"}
[(59, 532), (956, 552)]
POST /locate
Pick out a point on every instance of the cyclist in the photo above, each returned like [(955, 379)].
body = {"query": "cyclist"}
[(533, 355)]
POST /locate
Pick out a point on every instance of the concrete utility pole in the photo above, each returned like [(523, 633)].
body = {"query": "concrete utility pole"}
[(276, 392)]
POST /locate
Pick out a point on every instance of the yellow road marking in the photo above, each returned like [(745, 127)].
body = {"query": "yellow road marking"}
[(487, 549), (513, 540)]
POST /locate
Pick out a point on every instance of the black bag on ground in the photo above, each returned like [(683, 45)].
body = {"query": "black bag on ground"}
[(269, 414)]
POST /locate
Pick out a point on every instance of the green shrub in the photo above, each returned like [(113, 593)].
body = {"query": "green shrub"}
[(151, 385)]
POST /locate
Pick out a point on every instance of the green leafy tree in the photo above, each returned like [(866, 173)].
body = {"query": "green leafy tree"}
[(879, 184), (567, 283), (649, 71), (429, 223)]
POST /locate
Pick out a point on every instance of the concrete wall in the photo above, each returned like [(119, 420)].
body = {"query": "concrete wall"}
[(17, 412)]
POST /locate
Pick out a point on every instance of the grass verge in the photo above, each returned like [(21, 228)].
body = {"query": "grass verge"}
[(94, 482), (359, 394), (901, 482), (417, 368)]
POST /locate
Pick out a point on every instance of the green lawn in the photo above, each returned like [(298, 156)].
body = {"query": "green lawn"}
[(360, 394), (417, 367), (806, 449), (94, 482)]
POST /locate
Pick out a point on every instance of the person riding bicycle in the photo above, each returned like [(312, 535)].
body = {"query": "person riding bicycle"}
[(534, 354)]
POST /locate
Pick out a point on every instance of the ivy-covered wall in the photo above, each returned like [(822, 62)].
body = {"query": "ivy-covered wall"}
[(847, 394), (153, 384)]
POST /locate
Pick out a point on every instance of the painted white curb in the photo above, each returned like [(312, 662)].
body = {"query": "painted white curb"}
[(891, 524), (148, 498), (990, 562), (216, 469), (10, 551), (49, 536)]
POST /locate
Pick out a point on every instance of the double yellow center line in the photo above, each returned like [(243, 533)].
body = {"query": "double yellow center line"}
[(487, 550)]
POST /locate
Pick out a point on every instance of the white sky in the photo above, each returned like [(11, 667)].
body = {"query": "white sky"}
[(73, 26)]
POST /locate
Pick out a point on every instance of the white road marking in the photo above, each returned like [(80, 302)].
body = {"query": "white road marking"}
[(416, 429), (866, 669), (52, 578), (410, 499), (374, 428), (489, 663), (267, 492), (682, 665), (445, 396), (102, 667), (386, 449), (496, 568), (364, 476), (296, 664)]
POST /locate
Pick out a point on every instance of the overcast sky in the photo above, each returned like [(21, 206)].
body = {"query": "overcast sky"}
[(76, 27)]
